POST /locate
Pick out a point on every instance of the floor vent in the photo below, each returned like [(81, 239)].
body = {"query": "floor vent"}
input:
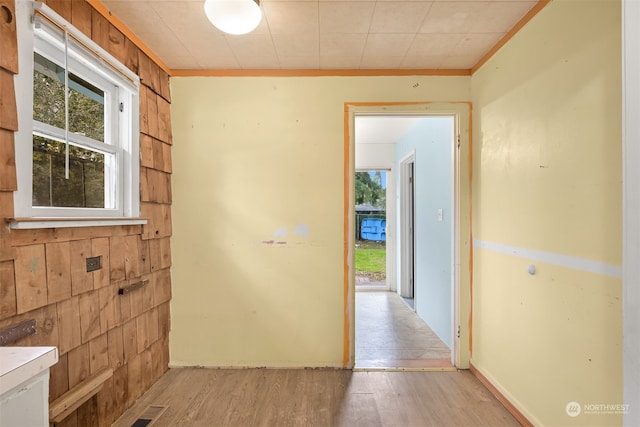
[(149, 416)]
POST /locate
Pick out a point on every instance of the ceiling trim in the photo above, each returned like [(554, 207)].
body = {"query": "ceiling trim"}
[(104, 11), (512, 32), (319, 73)]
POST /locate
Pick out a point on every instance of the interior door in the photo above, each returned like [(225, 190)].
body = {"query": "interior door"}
[(407, 227)]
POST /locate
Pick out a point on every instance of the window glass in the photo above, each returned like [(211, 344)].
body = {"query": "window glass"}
[(48, 92), (86, 108), (86, 184)]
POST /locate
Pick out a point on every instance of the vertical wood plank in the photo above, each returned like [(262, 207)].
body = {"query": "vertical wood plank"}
[(149, 72), (144, 110), (8, 302), (58, 271), (81, 16), (158, 186), (164, 321), (153, 326), (88, 413), (100, 247), (31, 275), (98, 353), (152, 114), (9, 116), (79, 365), (142, 299), (115, 345), (162, 286), (145, 262), (120, 389), (165, 252), (145, 195), (7, 251), (154, 71), (81, 280), (131, 60), (166, 158), (132, 257), (156, 360), (59, 378), (124, 302), (117, 251), (117, 44), (155, 254), (106, 411), (8, 180), (107, 36), (69, 324), (165, 87), (159, 224), (62, 8), (134, 374), (89, 303), (130, 340), (164, 120), (109, 310), (146, 368), (144, 69), (8, 35), (158, 154), (147, 157), (142, 333)]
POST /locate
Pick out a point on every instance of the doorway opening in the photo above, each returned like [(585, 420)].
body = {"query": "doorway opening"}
[(371, 230), (410, 326)]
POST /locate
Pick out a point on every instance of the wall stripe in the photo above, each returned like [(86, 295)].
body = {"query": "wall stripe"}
[(567, 261)]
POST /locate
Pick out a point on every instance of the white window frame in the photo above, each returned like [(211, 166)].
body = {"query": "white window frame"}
[(41, 30)]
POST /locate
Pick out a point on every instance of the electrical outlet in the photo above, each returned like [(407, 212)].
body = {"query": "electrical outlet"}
[(94, 263)]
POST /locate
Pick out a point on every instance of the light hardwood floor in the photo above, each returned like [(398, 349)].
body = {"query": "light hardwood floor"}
[(319, 397), (390, 335)]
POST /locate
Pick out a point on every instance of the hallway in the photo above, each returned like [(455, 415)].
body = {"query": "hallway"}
[(390, 335)]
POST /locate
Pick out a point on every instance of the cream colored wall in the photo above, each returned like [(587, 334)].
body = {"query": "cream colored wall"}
[(260, 160), (547, 192)]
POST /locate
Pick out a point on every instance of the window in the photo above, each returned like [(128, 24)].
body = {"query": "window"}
[(78, 144)]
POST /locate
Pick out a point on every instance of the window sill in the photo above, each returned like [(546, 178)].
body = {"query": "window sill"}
[(34, 223)]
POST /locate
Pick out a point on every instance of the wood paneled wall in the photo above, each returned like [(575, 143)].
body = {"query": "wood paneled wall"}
[(43, 274)]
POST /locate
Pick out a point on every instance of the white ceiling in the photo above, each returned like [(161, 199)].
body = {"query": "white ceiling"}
[(383, 129), (325, 34)]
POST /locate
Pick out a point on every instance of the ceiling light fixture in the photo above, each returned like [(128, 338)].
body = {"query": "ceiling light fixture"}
[(233, 16)]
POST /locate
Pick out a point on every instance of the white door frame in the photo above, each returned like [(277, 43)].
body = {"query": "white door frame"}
[(406, 212)]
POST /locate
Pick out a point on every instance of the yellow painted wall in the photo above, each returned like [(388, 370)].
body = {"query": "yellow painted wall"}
[(547, 177), (256, 160)]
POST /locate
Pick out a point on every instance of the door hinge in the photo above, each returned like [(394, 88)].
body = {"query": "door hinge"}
[(458, 331), (121, 107), (458, 141)]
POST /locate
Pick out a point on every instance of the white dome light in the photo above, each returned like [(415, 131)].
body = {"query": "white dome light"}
[(233, 16)]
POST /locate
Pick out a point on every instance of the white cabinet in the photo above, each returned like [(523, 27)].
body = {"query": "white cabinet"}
[(24, 385)]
